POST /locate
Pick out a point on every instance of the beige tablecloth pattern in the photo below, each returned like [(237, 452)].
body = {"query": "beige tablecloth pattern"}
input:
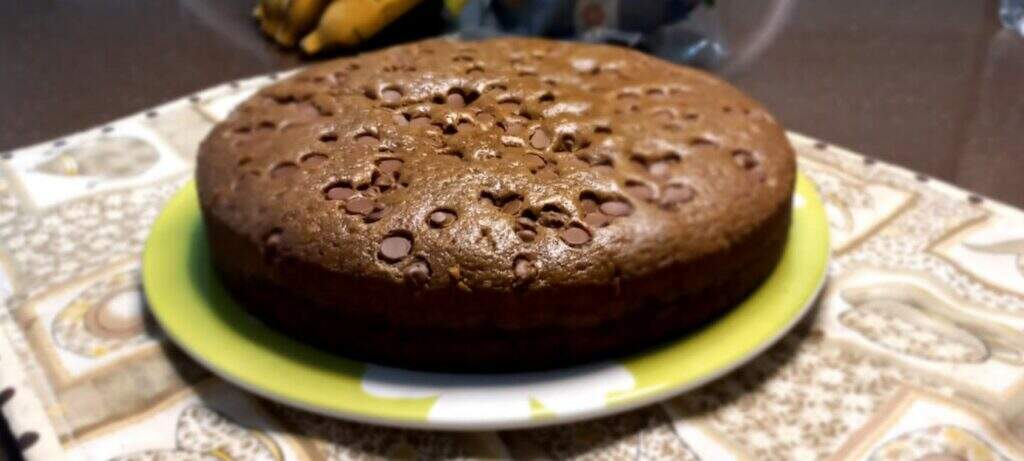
[(916, 346)]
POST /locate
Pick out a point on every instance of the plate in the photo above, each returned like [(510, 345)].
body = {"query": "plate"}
[(197, 313)]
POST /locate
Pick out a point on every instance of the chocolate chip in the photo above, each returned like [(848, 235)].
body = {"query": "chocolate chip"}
[(385, 181), (575, 236), (417, 273), (597, 219), (441, 218), (422, 120), (534, 161), (540, 140), (339, 193), (389, 166), (456, 100), (546, 175), (395, 248), (360, 205), (374, 215), (526, 235), (390, 95), (400, 119), (514, 127), (640, 191), (552, 218), (313, 159), (524, 269), (284, 170), (659, 168), (678, 193), (744, 158), (655, 92), (484, 117), (616, 208), (367, 139), (512, 206), (575, 163), (702, 142)]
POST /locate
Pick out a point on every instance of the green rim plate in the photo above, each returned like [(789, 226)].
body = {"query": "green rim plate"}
[(197, 313)]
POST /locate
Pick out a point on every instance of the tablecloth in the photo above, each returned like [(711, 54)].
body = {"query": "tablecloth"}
[(915, 347)]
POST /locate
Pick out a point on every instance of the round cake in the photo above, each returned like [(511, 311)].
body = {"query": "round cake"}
[(504, 204)]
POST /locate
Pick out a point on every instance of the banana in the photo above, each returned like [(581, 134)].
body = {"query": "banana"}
[(350, 22), (287, 20), (455, 6)]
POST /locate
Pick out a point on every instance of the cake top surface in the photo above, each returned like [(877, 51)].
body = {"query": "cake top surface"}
[(496, 164)]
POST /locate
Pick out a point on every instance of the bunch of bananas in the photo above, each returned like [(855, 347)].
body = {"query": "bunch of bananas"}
[(321, 24)]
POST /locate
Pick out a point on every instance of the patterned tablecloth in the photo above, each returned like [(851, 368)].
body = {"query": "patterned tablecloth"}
[(916, 346)]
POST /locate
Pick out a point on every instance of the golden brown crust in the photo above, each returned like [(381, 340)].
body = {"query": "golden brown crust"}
[(505, 187)]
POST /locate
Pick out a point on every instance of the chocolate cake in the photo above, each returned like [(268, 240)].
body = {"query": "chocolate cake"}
[(495, 205)]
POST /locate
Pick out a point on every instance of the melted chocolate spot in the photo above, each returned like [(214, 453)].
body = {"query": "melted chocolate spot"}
[(367, 139), (313, 159), (339, 193), (441, 218), (284, 170), (395, 248), (390, 95), (360, 205), (456, 100), (540, 140), (616, 208), (389, 166), (640, 191), (575, 236), (678, 193), (597, 219), (417, 273)]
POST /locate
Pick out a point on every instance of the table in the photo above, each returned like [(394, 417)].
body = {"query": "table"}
[(933, 85)]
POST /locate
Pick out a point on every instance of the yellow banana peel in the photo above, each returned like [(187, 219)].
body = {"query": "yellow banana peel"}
[(348, 23), (455, 6), (287, 20)]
